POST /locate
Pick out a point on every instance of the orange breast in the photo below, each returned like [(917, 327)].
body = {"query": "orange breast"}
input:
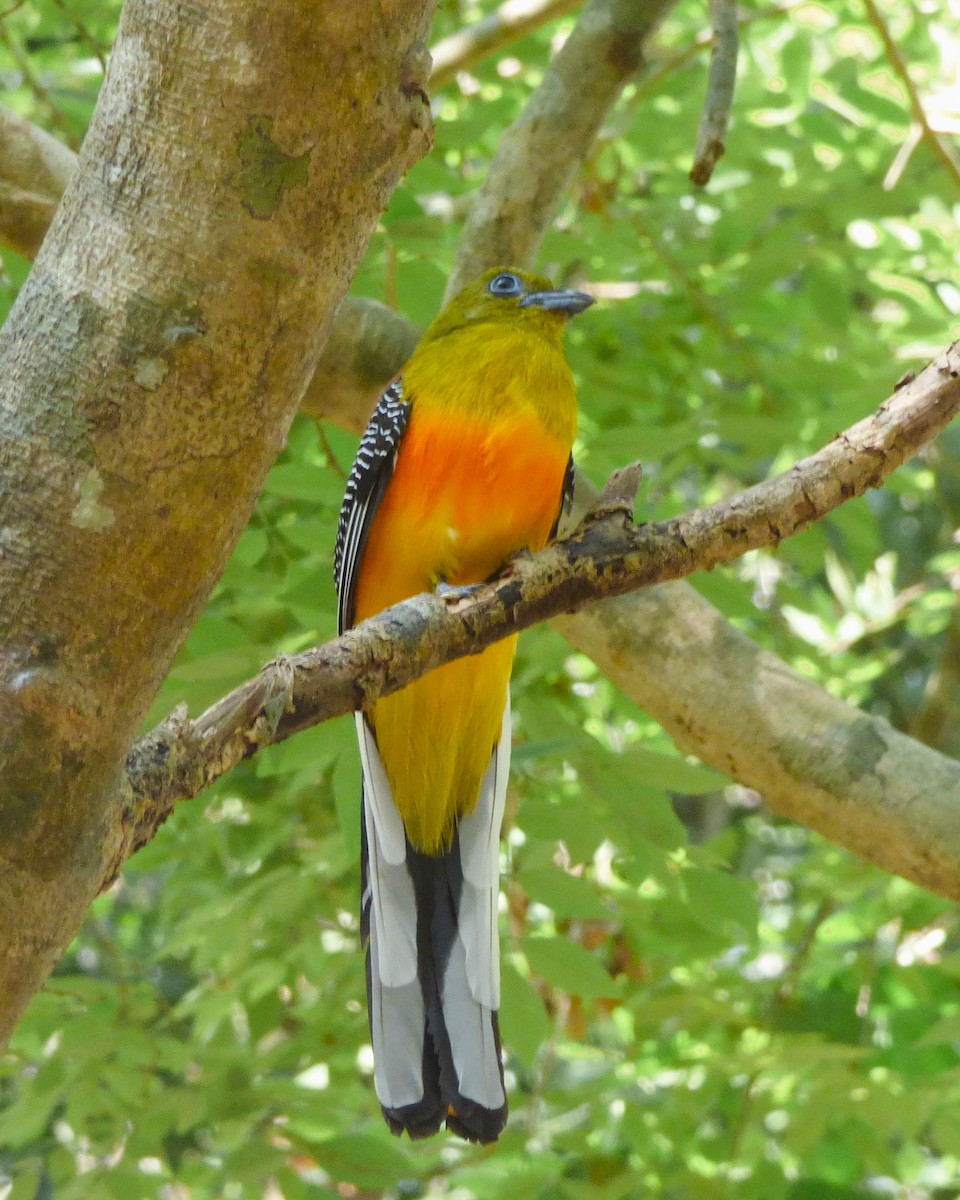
[(464, 496)]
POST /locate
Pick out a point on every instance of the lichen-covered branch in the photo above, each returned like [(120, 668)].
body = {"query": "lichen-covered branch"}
[(606, 556)]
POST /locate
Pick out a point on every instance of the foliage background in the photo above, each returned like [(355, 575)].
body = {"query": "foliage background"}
[(700, 1000)]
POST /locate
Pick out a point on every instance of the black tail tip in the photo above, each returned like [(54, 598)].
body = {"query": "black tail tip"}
[(421, 1120), (470, 1121), (476, 1123)]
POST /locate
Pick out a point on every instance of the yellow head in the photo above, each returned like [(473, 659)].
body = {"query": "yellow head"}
[(513, 300)]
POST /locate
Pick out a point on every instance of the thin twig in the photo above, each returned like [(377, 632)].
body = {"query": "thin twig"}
[(663, 67), (943, 152), (328, 450), (85, 35), (712, 134), (902, 157), (509, 23), (40, 93)]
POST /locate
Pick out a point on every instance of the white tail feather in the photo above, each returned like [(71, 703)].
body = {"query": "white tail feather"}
[(379, 798), (397, 1030), (472, 1042), (393, 904), (480, 859), (397, 1025), (471, 985)]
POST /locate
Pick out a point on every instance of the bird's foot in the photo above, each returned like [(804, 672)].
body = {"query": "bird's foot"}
[(454, 594)]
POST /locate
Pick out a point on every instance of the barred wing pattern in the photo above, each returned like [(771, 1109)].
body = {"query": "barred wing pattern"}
[(369, 476), (566, 495)]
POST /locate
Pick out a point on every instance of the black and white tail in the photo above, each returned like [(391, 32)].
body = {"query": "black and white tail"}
[(433, 959)]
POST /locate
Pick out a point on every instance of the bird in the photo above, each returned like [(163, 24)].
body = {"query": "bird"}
[(466, 461)]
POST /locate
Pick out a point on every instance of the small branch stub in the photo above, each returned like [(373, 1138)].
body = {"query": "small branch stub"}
[(619, 494)]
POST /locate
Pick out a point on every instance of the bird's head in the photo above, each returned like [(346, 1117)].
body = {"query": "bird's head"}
[(510, 299)]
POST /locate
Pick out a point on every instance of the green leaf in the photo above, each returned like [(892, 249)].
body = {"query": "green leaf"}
[(569, 967), (721, 901), (567, 895), (946, 1029), (296, 481), (365, 1160), (524, 1024), (346, 792)]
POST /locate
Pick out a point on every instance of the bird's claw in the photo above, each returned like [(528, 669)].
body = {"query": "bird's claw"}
[(452, 594)]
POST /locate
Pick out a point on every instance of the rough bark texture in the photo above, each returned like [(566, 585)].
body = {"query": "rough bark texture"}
[(848, 775), (148, 373)]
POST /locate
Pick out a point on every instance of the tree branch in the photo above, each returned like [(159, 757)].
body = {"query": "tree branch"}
[(34, 170), (606, 556), (368, 345), (712, 134), (510, 22)]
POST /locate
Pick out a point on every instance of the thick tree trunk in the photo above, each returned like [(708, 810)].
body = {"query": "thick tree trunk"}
[(239, 157)]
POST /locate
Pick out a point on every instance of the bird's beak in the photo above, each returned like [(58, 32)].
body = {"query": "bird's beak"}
[(564, 300)]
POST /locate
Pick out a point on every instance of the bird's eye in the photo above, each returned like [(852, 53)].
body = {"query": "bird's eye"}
[(505, 284)]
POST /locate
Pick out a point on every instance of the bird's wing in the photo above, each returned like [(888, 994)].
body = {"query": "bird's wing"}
[(566, 495), (371, 472)]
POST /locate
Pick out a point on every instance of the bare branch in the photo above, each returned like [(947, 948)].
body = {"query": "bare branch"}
[(606, 556), (666, 65), (712, 134), (368, 345), (507, 24), (34, 170)]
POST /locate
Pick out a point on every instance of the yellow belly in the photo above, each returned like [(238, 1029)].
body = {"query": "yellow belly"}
[(463, 498)]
